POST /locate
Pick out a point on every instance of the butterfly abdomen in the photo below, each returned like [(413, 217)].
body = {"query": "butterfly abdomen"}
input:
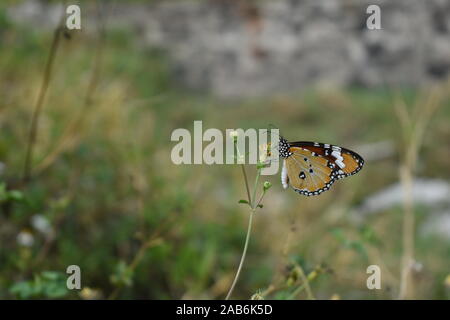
[(284, 177)]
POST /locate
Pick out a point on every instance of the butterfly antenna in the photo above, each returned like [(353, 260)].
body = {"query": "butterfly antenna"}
[(271, 126)]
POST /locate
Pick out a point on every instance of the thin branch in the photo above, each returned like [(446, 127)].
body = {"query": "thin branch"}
[(306, 283), (73, 128), (414, 140), (246, 183), (258, 174), (244, 253), (40, 101)]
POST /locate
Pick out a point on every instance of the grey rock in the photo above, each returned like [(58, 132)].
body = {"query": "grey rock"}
[(236, 48), (437, 224), (426, 192)]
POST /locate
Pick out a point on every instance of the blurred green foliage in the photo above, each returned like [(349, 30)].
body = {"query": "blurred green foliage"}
[(47, 284)]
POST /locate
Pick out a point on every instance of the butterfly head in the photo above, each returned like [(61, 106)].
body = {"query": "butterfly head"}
[(284, 148)]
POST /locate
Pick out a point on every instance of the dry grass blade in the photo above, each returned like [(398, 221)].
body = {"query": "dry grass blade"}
[(413, 129), (70, 134), (40, 100)]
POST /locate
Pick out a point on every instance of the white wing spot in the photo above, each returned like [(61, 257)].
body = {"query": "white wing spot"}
[(339, 159)]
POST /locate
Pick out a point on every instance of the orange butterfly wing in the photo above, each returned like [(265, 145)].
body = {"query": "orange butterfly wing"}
[(346, 162), (308, 173)]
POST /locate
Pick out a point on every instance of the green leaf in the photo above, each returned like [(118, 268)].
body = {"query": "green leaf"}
[(16, 195), (55, 289), (47, 284), (23, 289), (243, 201), (51, 275), (123, 275)]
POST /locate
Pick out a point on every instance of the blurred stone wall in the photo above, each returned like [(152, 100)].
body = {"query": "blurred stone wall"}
[(237, 48)]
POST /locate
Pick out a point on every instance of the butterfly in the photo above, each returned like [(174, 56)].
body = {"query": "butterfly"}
[(311, 168)]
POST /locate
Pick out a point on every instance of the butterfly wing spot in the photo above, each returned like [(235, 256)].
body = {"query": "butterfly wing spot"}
[(339, 159), (314, 176), (354, 164)]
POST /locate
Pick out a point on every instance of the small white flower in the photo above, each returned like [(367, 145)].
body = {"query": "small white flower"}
[(417, 266), (234, 136), (264, 152), (41, 224), (90, 294), (25, 238), (262, 157)]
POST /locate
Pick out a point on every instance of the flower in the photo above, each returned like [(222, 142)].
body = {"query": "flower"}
[(257, 296), (264, 153), (266, 186), (233, 134), (41, 224), (25, 238), (90, 294)]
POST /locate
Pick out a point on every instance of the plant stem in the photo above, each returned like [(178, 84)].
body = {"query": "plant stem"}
[(253, 203), (296, 291), (413, 135), (260, 200), (74, 127), (244, 253), (39, 103), (306, 284), (246, 183), (407, 233)]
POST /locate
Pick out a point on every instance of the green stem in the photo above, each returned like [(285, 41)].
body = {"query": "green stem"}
[(244, 253), (260, 200), (306, 284), (296, 292), (39, 103), (253, 203), (246, 183)]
